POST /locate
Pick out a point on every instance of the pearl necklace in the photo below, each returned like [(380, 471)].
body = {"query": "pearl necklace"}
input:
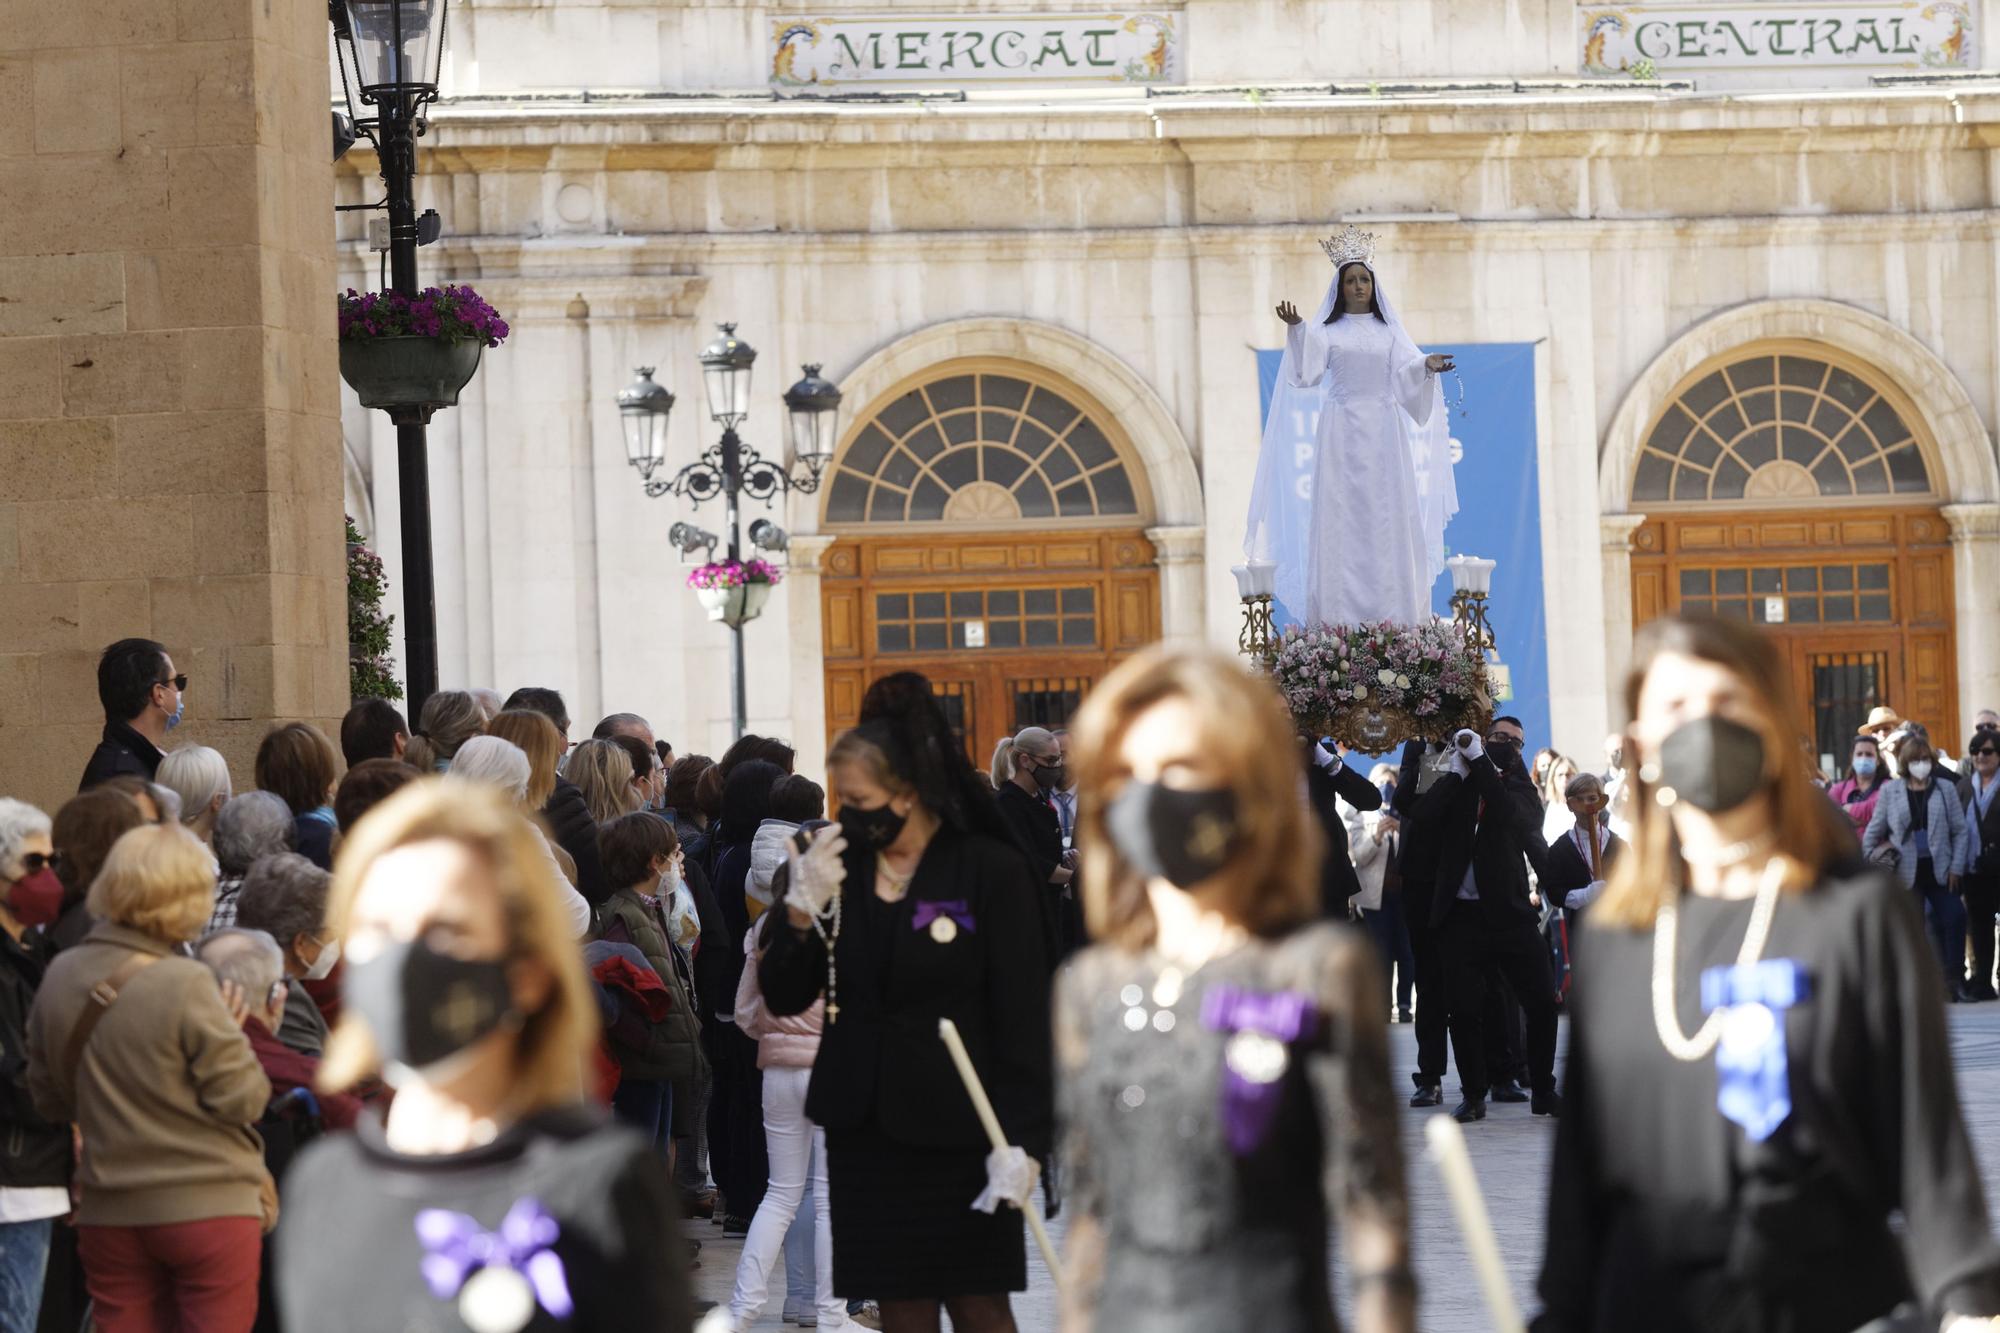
[(1666, 1010)]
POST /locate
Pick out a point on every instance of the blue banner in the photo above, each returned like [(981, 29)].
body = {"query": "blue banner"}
[(1499, 496)]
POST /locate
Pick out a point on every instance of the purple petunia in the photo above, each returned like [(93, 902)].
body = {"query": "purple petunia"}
[(450, 314)]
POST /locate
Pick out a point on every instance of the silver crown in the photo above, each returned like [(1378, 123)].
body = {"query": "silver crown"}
[(1350, 245)]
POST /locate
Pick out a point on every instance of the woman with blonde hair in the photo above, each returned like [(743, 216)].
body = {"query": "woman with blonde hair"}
[(539, 740), (450, 719), (491, 1195), (200, 777), (602, 771), (1221, 1056), (1557, 819), (1027, 770), (136, 1044), (1759, 1077), (502, 766)]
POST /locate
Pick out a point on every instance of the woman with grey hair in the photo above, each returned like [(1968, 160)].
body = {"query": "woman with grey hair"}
[(250, 827), (284, 896), (200, 777), (492, 762), (450, 719)]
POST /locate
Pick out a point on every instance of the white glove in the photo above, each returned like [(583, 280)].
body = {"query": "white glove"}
[(1471, 751), (817, 873), (1010, 1178), (1579, 899), (1322, 757)]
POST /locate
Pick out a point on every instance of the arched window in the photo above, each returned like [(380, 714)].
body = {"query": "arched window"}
[(982, 447), (1784, 424)]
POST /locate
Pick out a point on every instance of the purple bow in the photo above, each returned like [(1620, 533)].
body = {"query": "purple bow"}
[(1261, 1026), (956, 909), (455, 1246)]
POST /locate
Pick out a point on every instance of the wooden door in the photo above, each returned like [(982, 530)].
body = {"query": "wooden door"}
[(1859, 600), (1011, 630)]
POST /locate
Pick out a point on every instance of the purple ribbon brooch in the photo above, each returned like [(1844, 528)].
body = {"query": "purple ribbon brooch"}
[(498, 1277), (1261, 1027), (943, 919)]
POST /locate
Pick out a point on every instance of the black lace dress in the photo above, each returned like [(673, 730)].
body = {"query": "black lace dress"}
[(1214, 1122)]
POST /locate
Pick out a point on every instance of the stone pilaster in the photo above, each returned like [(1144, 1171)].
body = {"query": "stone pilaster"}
[(1975, 558), (169, 437)]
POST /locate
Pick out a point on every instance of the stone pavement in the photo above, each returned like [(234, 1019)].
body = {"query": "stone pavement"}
[(1510, 1151)]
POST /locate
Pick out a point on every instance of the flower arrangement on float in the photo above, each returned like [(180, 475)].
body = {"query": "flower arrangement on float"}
[(1372, 685), (734, 591)]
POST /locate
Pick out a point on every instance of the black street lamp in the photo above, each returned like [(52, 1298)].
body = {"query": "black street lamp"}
[(390, 53), (730, 468)]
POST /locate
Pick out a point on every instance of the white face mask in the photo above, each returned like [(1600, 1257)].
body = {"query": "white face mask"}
[(1921, 770), (329, 954)]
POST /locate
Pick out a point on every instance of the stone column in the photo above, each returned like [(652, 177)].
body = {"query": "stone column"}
[(808, 635), (1180, 552), (169, 436), (1615, 531), (1975, 556)]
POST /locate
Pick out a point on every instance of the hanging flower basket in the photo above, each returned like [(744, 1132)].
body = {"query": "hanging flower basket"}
[(734, 591), (414, 352), (1373, 686)]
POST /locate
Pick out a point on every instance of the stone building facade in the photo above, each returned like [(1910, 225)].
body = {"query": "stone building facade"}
[(1766, 354)]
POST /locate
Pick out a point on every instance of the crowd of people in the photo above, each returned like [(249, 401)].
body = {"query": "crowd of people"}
[(449, 1026)]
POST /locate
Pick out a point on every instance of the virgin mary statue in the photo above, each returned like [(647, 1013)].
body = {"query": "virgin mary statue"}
[(1360, 537)]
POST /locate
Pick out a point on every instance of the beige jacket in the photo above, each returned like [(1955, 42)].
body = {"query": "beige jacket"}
[(165, 1092)]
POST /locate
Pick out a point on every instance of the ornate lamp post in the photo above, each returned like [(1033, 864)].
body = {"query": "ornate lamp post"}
[(1256, 584), (390, 53), (730, 468)]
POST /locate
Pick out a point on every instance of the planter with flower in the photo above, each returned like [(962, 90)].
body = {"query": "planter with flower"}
[(734, 591), (410, 355), (1370, 686)]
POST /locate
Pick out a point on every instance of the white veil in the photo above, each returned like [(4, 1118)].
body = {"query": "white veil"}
[(1280, 523)]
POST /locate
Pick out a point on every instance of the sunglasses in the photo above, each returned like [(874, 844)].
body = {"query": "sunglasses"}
[(33, 862), (1985, 749), (179, 682)]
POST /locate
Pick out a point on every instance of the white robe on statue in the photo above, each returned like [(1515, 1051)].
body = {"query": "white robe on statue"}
[(1367, 559), (1367, 541)]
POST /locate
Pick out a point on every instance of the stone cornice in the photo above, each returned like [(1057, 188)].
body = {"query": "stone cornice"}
[(663, 256), (698, 134)]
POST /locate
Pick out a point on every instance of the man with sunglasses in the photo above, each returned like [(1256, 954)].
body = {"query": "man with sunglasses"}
[(1980, 790), (143, 700)]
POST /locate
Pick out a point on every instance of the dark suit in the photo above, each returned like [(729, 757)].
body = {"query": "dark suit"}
[(1325, 786), (1982, 886), (1422, 828), (1495, 931)]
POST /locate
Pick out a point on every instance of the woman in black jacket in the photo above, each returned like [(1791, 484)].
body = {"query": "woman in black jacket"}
[(34, 1171), (736, 1153), (907, 913), (1026, 768)]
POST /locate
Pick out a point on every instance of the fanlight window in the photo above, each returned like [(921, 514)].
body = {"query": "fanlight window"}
[(1779, 426), (979, 448)]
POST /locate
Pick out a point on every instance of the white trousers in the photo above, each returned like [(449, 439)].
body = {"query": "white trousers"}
[(797, 1149)]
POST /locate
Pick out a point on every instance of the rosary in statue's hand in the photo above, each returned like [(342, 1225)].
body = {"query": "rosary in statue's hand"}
[(1439, 364), (1288, 312)]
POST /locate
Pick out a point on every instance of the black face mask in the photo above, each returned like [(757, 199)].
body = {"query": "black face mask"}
[(1506, 754), (871, 830), (1048, 776), (1712, 763), (424, 1006), (1183, 837)]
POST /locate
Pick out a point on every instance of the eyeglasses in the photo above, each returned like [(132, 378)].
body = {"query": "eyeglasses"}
[(32, 862), (1985, 749), (179, 682)]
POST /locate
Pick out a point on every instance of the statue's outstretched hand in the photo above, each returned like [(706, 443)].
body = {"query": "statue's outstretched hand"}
[(1439, 364), (1288, 312)]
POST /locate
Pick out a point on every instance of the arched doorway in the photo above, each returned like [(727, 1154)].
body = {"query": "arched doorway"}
[(1791, 485), (989, 525)]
